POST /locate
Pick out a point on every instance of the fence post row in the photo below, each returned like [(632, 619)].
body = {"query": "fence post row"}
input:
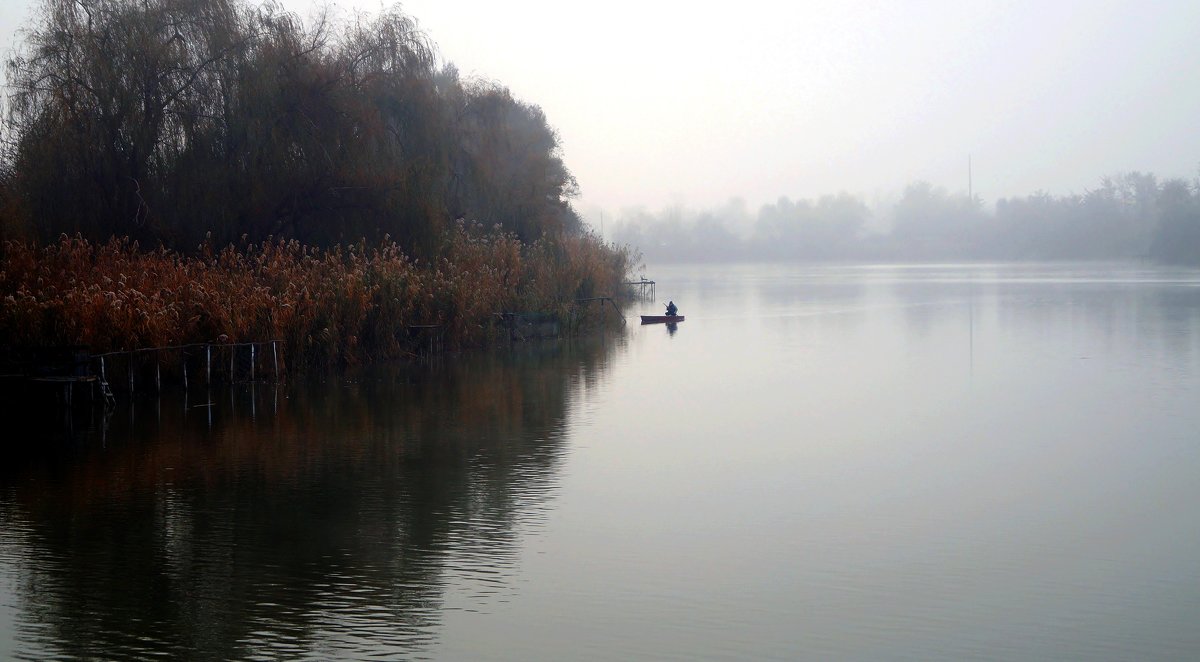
[(131, 367)]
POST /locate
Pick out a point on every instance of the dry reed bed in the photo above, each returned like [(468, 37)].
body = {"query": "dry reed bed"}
[(341, 305)]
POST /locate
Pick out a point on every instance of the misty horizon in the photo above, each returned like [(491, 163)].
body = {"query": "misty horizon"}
[(1133, 215), (877, 200)]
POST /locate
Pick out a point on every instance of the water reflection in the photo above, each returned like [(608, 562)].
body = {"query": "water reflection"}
[(833, 462), (316, 520)]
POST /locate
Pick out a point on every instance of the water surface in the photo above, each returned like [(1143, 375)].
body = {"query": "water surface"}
[(835, 462)]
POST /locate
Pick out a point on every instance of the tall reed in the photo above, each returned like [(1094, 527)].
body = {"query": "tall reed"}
[(341, 305)]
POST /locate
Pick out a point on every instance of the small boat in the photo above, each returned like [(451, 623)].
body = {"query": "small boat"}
[(660, 319)]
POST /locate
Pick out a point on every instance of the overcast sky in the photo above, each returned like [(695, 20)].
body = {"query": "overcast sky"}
[(663, 103)]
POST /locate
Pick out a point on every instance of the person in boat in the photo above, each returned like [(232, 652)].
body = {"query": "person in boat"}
[(672, 309)]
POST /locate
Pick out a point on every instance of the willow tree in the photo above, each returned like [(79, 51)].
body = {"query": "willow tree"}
[(508, 169), (173, 120), (105, 95)]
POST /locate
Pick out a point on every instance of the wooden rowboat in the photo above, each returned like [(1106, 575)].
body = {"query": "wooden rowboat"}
[(660, 319)]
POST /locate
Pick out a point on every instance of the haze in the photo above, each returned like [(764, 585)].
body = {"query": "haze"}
[(675, 104)]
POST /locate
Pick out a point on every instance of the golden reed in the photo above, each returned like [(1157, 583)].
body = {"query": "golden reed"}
[(341, 305)]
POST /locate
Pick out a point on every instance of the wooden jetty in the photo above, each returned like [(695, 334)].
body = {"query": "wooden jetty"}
[(63, 372), (207, 363), (643, 288)]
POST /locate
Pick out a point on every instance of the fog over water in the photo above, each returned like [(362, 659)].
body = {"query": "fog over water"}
[(669, 103), (822, 462), (965, 429)]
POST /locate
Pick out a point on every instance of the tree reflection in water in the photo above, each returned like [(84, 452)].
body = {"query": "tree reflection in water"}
[(308, 520)]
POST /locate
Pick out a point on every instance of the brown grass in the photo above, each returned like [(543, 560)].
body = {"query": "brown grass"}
[(336, 306)]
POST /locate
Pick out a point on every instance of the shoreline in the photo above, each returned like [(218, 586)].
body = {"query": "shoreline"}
[(309, 307)]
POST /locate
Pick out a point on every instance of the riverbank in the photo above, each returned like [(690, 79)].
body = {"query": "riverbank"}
[(338, 306)]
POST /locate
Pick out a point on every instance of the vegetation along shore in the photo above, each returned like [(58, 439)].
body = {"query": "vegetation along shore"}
[(179, 171)]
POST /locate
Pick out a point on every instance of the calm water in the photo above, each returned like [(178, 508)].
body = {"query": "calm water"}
[(937, 462)]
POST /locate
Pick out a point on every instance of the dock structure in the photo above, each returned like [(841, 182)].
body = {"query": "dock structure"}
[(229, 362), (643, 288), (58, 374), (64, 387)]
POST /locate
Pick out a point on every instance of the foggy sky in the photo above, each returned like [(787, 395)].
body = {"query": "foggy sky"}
[(665, 103)]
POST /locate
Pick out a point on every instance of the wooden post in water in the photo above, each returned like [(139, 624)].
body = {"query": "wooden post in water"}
[(102, 377), (275, 361), (157, 373), (251, 361), (232, 356), (208, 365), (185, 372), (131, 373)]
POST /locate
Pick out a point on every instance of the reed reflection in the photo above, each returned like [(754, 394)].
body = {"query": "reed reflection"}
[(316, 520)]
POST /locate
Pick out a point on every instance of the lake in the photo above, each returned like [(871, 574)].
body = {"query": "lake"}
[(822, 462)]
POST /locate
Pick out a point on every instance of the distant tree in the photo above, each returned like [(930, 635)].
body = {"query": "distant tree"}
[(929, 222), (825, 228), (678, 235), (1178, 235), (1031, 227)]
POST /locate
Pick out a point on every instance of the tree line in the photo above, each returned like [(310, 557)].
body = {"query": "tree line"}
[(176, 122), (1128, 216)]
